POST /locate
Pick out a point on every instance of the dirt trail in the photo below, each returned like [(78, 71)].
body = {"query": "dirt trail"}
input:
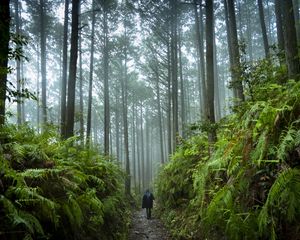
[(143, 229)]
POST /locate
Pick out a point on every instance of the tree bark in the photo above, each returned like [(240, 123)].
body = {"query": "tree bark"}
[(159, 117), (200, 60), (64, 73), (263, 28), (235, 67), (174, 64), (212, 136), (90, 96), (290, 39), (18, 65), (81, 121), (106, 86), (43, 61), (182, 96), (4, 42), (72, 70), (124, 84)]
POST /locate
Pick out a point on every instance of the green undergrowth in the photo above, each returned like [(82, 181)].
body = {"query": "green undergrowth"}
[(249, 187), (53, 189)]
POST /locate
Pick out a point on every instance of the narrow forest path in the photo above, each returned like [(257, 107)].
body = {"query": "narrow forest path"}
[(142, 228)]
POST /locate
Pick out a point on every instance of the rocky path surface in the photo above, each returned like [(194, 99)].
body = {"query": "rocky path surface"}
[(147, 229)]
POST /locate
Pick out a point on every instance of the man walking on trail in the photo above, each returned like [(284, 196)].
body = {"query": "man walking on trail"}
[(148, 202)]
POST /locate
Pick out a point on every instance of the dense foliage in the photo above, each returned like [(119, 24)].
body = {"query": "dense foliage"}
[(249, 187), (53, 189)]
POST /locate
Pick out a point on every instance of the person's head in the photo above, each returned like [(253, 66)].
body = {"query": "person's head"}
[(147, 190)]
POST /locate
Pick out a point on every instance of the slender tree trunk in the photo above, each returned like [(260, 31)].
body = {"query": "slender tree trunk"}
[(81, 121), (290, 37), (72, 70), (106, 86), (235, 67), (297, 19), (200, 59), (125, 120), (133, 144), (4, 43), (212, 136), (182, 96), (23, 118), (142, 148), (138, 152), (263, 27), (159, 117), (18, 67), (90, 96), (216, 82), (249, 33), (148, 150), (117, 124), (169, 124), (38, 94), (43, 61), (278, 14), (64, 73), (174, 64)]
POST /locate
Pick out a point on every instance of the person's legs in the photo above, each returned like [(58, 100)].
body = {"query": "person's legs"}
[(148, 211)]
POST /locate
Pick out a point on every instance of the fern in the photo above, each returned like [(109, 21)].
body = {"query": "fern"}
[(284, 192), (289, 140)]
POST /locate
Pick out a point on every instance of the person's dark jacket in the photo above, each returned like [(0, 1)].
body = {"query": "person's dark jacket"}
[(148, 200)]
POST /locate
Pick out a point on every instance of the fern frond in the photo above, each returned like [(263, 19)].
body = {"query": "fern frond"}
[(288, 140), (259, 152), (285, 192), (31, 223)]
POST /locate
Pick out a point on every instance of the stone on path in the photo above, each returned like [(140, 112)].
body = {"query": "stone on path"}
[(147, 229)]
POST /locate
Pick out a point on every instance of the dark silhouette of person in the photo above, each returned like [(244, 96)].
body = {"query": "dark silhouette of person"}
[(148, 202)]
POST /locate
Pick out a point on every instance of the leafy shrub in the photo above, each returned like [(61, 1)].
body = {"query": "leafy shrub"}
[(52, 189)]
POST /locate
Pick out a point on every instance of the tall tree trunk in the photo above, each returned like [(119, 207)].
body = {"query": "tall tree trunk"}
[(212, 136), (64, 73), (161, 143), (43, 60), (38, 109), (138, 152), (263, 27), (279, 28), (72, 70), (106, 86), (169, 124), (174, 64), (4, 42), (182, 96), (148, 150), (23, 117), (117, 124), (18, 67), (125, 119), (142, 148), (90, 96), (297, 19), (249, 32), (81, 121), (235, 67), (216, 82), (200, 59), (290, 39), (134, 145)]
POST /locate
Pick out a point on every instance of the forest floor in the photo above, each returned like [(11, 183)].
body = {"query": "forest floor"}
[(143, 228)]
